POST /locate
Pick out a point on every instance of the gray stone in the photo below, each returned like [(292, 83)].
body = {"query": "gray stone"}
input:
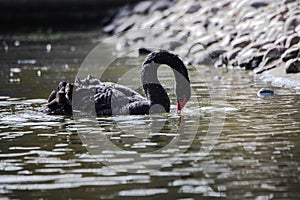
[(233, 53), (292, 22), (208, 57), (291, 40), (109, 28), (258, 4), (265, 92), (290, 54), (160, 5), (196, 47), (293, 66), (281, 41), (215, 53), (252, 62), (288, 1), (142, 7), (241, 42), (125, 26), (274, 53), (193, 8), (202, 58), (208, 40)]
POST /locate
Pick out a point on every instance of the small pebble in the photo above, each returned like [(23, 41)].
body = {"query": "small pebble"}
[(265, 92)]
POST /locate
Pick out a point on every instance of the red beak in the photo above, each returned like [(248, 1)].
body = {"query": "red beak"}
[(181, 104)]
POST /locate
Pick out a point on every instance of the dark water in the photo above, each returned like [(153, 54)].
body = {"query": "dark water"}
[(228, 143)]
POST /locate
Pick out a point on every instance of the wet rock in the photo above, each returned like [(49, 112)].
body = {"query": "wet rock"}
[(290, 54), (293, 66), (142, 7), (265, 92), (291, 40), (252, 62)]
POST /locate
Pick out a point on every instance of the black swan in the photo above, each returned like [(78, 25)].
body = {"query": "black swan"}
[(114, 99)]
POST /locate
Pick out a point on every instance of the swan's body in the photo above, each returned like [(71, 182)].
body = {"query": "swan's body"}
[(114, 99)]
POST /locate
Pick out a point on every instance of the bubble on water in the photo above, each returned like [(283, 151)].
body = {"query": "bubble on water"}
[(48, 48), (17, 43), (39, 73)]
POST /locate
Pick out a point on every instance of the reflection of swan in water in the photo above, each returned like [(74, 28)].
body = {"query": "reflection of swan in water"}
[(116, 136), (111, 98)]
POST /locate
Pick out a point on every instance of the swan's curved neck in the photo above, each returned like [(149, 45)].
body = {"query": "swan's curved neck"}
[(154, 91)]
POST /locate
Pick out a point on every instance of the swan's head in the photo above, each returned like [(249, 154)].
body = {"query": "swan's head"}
[(183, 92)]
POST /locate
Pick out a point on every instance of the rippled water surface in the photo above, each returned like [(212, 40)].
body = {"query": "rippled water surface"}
[(228, 143)]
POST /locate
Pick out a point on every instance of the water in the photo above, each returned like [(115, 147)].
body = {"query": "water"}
[(171, 156)]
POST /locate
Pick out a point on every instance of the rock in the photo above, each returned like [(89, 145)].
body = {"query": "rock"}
[(297, 29), (291, 40), (288, 1), (233, 53), (136, 35), (290, 54), (264, 68), (293, 66), (251, 62), (160, 5), (292, 22), (196, 47), (259, 44), (258, 4), (125, 26), (264, 92), (241, 42), (273, 53), (109, 28), (215, 53), (281, 41), (144, 51), (208, 40), (193, 8), (208, 57), (142, 7), (202, 58)]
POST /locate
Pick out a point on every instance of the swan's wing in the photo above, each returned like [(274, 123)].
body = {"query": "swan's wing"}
[(139, 107), (112, 102)]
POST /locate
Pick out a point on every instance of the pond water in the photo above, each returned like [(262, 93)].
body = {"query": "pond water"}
[(227, 143)]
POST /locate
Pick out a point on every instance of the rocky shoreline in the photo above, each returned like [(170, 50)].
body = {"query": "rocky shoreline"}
[(258, 35)]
